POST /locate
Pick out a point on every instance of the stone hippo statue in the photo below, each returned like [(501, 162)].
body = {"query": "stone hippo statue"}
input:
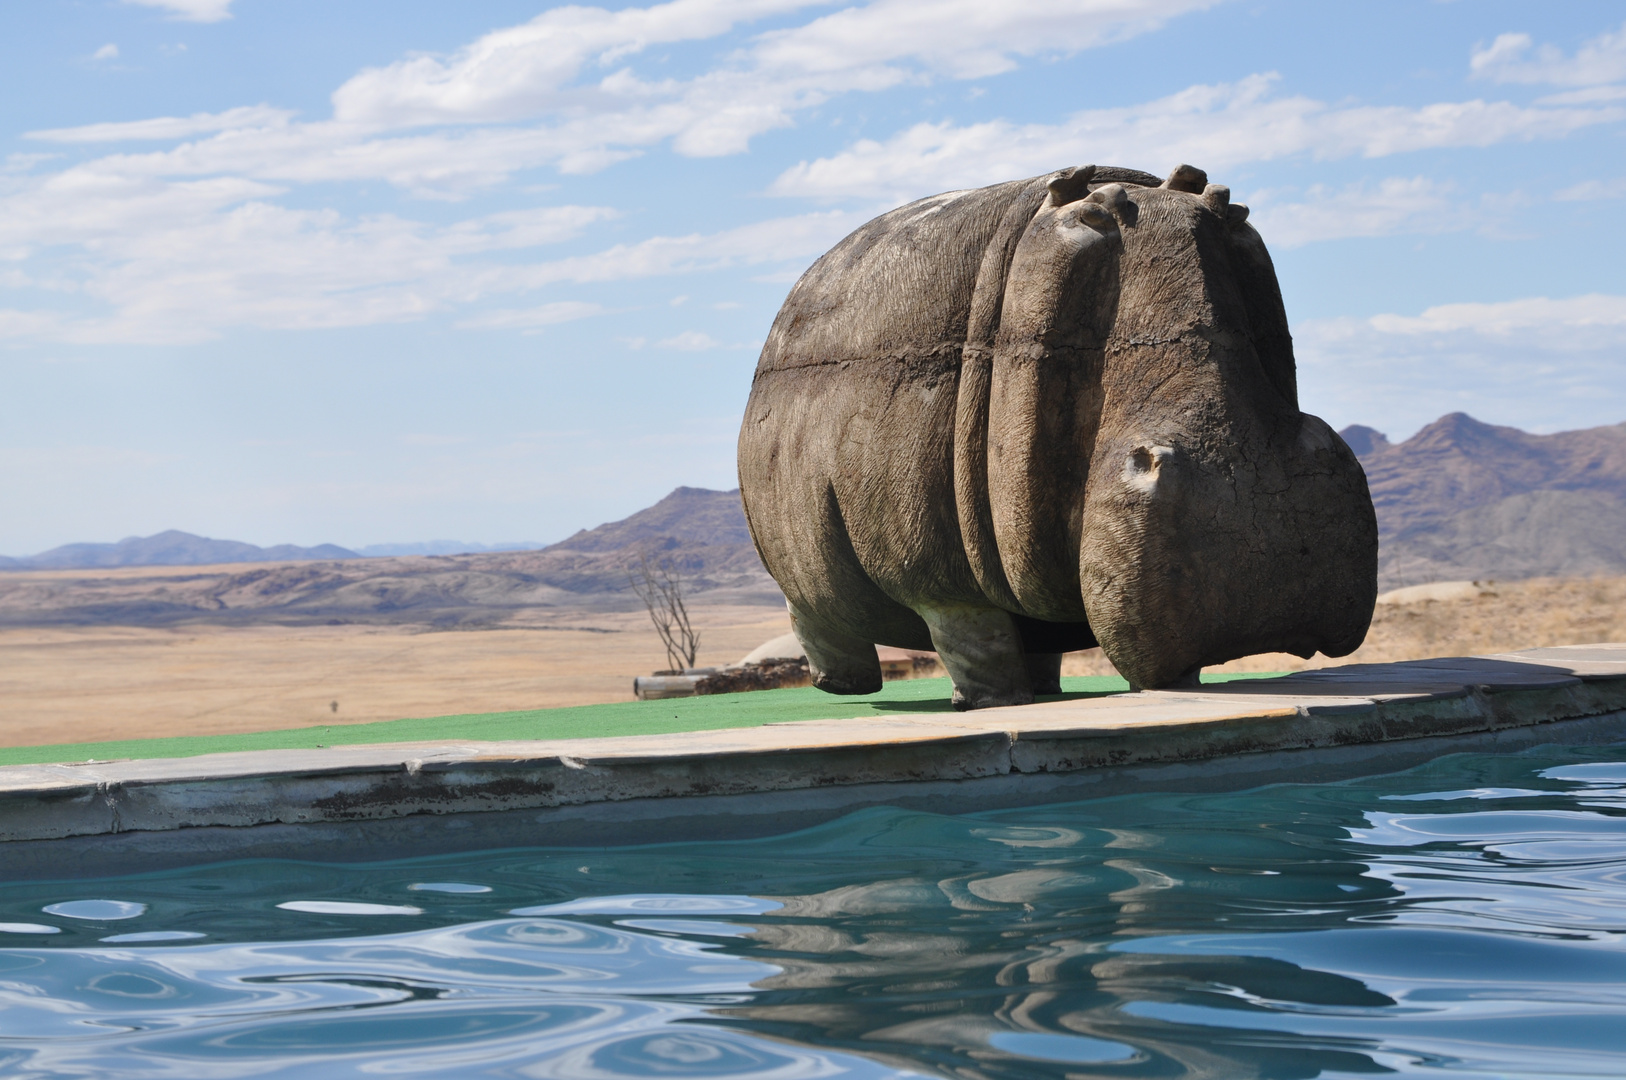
[(1033, 417)]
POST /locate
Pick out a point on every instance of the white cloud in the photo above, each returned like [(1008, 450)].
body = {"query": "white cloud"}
[(1515, 58), (1547, 364), (1213, 127), (109, 51), (525, 71), (169, 127), (548, 73), (963, 39), (173, 262), (690, 341), (191, 10), (104, 210), (1591, 95), (562, 95), (803, 237), (1588, 190), (511, 229), (181, 241), (1396, 205), (1578, 321), (27, 324), (533, 319), (21, 163), (161, 261), (433, 164)]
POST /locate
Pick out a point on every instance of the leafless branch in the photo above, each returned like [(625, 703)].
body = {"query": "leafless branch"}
[(659, 584)]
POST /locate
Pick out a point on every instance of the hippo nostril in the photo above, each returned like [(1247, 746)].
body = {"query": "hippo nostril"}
[(1142, 468), (1145, 466)]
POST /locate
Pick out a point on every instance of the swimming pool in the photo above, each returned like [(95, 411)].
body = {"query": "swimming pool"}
[(1467, 918)]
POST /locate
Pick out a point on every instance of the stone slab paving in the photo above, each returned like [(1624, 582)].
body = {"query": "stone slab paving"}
[(1351, 706)]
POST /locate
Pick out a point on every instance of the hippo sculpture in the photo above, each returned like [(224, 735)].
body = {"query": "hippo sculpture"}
[(1025, 419)]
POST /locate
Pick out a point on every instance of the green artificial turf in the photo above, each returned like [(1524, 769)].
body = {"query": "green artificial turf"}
[(905, 696)]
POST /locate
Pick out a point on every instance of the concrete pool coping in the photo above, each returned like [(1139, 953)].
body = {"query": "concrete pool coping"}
[(385, 799)]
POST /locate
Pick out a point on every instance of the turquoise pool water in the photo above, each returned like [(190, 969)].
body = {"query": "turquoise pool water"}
[(1467, 919)]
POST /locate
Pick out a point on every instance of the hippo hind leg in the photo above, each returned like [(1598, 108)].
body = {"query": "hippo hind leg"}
[(839, 663), (1044, 643), (1044, 672), (982, 651)]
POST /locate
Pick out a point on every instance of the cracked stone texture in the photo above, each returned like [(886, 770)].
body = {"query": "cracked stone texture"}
[(1051, 412)]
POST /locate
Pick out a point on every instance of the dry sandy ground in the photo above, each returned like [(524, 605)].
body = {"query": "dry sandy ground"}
[(85, 684), (1508, 615)]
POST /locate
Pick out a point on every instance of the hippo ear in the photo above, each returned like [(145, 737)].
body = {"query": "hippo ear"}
[(1070, 185), (1111, 198), (1217, 197), (1187, 178)]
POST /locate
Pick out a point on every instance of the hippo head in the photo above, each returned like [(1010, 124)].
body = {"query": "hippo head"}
[(1214, 519)]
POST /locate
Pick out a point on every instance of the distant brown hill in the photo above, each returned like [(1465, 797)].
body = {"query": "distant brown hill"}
[(170, 548), (1460, 499), (688, 516), (702, 532), (1465, 499)]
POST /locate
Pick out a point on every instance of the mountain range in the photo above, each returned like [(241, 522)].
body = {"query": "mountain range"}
[(1459, 499), (171, 548), (701, 532), (176, 548), (1466, 499)]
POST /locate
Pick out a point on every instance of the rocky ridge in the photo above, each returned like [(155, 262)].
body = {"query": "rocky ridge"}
[(1466, 499), (1459, 499), (702, 532), (169, 548)]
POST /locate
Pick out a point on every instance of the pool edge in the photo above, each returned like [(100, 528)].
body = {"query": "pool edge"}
[(393, 800)]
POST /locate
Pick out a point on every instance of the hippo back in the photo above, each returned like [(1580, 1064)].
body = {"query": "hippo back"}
[(846, 453), (899, 286)]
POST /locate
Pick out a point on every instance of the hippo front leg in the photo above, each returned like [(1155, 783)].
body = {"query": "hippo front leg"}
[(839, 663), (982, 651)]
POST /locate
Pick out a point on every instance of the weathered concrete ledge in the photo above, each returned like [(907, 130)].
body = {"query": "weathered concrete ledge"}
[(824, 766)]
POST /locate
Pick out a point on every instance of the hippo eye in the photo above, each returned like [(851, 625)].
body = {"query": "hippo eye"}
[(1095, 216)]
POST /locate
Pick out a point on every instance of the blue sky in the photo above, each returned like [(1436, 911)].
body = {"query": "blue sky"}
[(365, 272)]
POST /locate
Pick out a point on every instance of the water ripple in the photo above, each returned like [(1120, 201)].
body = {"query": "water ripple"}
[(1464, 919)]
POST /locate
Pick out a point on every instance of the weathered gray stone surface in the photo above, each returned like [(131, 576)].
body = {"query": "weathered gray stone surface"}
[(780, 775), (1008, 422)]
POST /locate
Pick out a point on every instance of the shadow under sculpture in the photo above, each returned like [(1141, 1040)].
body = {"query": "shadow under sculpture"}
[(1035, 417)]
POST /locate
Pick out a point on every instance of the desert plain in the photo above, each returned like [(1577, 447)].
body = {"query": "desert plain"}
[(92, 683), (83, 683)]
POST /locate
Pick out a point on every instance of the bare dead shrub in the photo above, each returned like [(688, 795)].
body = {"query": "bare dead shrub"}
[(659, 584)]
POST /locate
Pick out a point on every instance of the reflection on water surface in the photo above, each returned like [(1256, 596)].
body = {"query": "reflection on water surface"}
[(1468, 919)]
